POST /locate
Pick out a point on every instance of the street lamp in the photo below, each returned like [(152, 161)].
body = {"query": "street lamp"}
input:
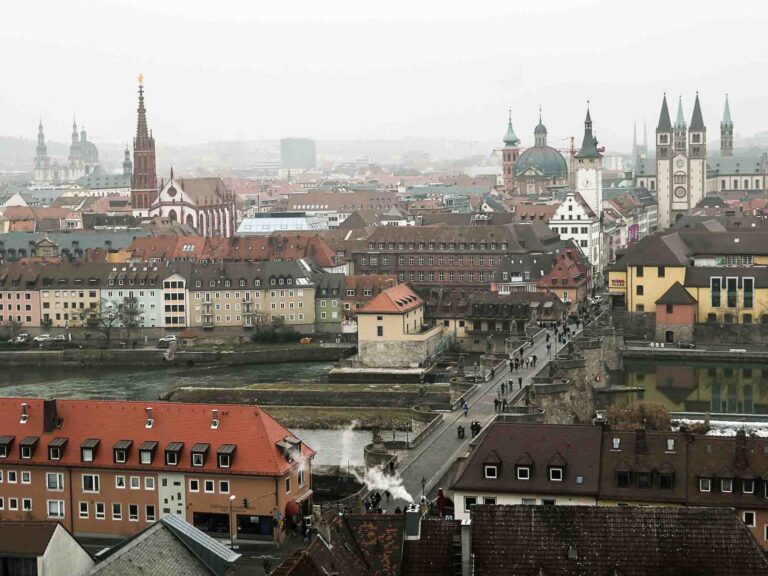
[(231, 533), (423, 485)]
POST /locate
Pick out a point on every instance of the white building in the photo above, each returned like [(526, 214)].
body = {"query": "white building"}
[(574, 219)]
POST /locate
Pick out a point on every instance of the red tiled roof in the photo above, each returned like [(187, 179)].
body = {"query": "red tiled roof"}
[(251, 429), (395, 300)]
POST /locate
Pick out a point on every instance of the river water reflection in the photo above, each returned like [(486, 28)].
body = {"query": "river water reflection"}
[(699, 386)]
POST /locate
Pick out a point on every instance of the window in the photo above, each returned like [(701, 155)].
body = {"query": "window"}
[(101, 511), (548, 501), (491, 471), (133, 512), (705, 484), (523, 473), (119, 456), (209, 487), (670, 444), (225, 460), (194, 485), (135, 483), (379, 330), (670, 308), (224, 487), (117, 511), (26, 504), (489, 500), (149, 513), (640, 308), (639, 290), (556, 474), (171, 458), (300, 477), (528, 501), (54, 481), (198, 459), (616, 443), (643, 480), (665, 481), (715, 287), (26, 477), (726, 485), (748, 486), (287, 484), (83, 509), (149, 483), (748, 287), (55, 508), (91, 483), (622, 479), (13, 503), (470, 501), (732, 293), (120, 482), (662, 271), (640, 271), (749, 518)]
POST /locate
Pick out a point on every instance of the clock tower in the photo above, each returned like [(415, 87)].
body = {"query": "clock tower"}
[(589, 169)]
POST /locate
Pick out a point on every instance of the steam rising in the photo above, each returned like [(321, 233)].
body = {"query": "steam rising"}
[(376, 479)]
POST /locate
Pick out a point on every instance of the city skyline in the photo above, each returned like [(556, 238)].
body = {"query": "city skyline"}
[(350, 76)]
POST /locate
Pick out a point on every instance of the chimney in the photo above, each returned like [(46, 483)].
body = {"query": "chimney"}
[(641, 445), (49, 415), (412, 523), (24, 413), (466, 548), (740, 457)]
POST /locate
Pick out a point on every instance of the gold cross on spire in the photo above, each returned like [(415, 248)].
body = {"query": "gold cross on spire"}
[(141, 79)]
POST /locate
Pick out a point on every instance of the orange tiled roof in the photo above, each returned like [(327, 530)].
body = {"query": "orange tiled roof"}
[(253, 432), (395, 300)]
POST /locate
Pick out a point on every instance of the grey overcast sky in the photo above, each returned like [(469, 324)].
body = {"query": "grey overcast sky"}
[(244, 69)]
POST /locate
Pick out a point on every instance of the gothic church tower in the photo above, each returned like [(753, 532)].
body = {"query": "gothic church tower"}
[(510, 154), (144, 182)]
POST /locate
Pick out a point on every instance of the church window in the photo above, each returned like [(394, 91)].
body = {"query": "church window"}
[(735, 184)]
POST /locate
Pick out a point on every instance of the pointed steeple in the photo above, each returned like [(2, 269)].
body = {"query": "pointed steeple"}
[(510, 138), (680, 121), (127, 164), (75, 135), (142, 133), (665, 124), (697, 121), (540, 133), (144, 182), (634, 139), (726, 123), (589, 142)]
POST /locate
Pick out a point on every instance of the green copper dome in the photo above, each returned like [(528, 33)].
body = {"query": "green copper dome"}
[(545, 160), (510, 138)]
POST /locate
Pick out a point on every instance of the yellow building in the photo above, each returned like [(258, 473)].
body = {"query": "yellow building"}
[(70, 294), (245, 296), (726, 271), (391, 332)]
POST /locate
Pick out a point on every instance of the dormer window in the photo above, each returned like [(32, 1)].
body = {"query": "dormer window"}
[(726, 485), (224, 455), (705, 484), (555, 474), (523, 472), (147, 452), (27, 447), (5, 445), (120, 451), (56, 448), (670, 444), (748, 486), (88, 449), (172, 453), (616, 444), (198, 453), (491, 471)]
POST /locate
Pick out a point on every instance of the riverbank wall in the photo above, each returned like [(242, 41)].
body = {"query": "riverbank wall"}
[(158, 357), (677, 354)]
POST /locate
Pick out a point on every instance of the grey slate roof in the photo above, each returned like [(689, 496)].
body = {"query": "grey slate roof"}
[(665, 124), (738, 166), (697, 121), (676, 295), (613, 540)]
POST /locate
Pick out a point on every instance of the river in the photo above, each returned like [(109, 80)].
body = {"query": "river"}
[(148, 383), (699, 386)]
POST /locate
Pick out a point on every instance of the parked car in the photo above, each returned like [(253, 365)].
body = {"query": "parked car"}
[(59, 338), (686, 345), (42, 338), (23, 337), (169, 338)]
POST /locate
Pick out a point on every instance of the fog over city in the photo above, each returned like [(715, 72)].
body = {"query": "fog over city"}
[(237, 70)]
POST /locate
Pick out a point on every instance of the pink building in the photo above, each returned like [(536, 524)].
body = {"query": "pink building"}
[(19, 294)]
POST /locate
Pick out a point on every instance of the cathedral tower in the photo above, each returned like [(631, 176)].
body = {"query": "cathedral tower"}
[(726, 131), (127, 164), (681, 165), (589, 169), (144, 182), (510, 154)]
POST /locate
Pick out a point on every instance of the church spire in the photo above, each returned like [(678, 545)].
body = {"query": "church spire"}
[(540, 133), (665, 124), (727, 115), (680, 121), (697, 120), (144, 183), (510, 138), (589, 142), (142, 133)]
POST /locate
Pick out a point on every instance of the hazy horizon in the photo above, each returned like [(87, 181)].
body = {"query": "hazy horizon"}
[(341, 70)]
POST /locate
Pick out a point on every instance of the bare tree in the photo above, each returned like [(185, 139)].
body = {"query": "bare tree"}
[(130, 313), (9, 329), (104, 317)]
